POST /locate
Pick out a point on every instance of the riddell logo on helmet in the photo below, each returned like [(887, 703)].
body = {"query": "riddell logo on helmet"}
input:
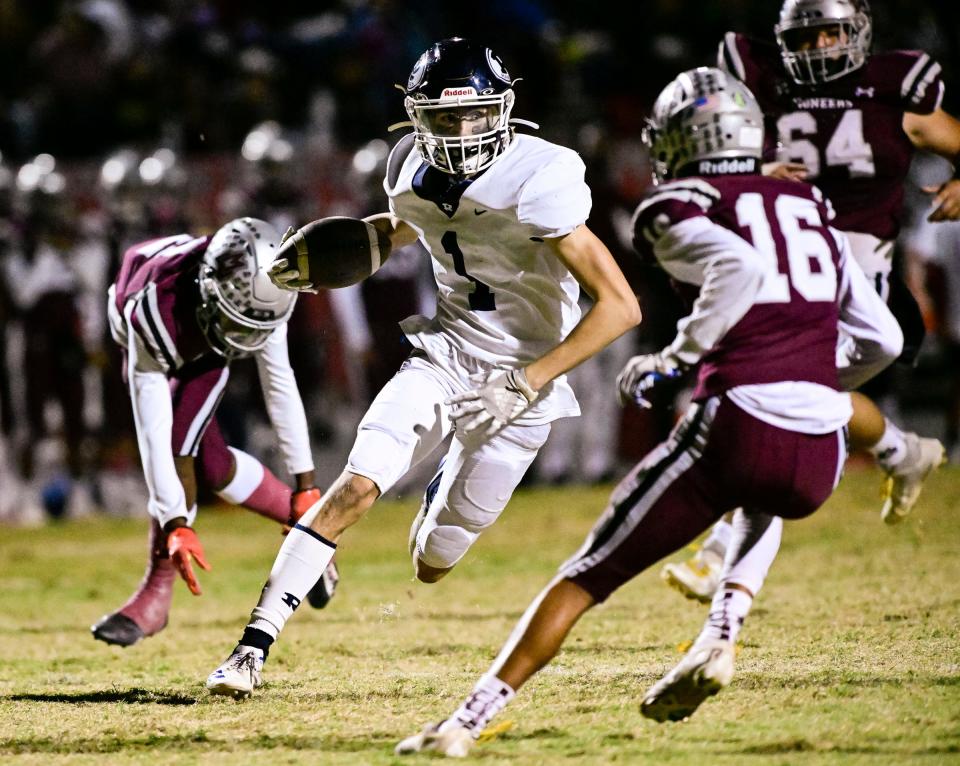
[(457, 92), (713, 167)]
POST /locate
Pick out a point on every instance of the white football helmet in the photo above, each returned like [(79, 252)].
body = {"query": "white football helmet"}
[(801, 20), (239, 306), (705, 122)]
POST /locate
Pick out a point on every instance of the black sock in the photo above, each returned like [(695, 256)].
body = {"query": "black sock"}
[(258, 640)]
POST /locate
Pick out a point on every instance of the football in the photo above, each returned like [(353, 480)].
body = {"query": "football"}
[(330, 252)]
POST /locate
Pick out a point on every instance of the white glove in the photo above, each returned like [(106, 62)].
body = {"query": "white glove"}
[(287, 276), (500, 398), (642, 373)]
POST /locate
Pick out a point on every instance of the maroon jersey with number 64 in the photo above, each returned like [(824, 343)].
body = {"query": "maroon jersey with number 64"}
[(849, 132), (790, 333)]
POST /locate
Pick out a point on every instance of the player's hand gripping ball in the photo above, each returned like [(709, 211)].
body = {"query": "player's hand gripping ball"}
[(330, 252)]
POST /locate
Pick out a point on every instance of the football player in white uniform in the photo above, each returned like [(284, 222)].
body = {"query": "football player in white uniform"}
[(502, 216)]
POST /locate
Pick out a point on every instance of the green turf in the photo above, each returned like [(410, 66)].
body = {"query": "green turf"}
[(852, 654)]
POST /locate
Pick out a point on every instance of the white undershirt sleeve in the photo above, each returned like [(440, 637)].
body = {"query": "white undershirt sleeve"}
[(153, 417), (729, 272), (870, 337), (283, 401)]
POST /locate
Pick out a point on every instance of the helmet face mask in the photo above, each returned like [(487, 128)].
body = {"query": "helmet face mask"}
[(239, 307), (823, 40), (704, 122), (459, 99)]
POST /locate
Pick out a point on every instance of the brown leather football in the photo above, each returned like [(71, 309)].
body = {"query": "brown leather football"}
[(335, 252)]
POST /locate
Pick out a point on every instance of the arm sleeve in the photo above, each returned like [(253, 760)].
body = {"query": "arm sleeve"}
[(284, 404), (729, 272), (870, 337), (153, 418)]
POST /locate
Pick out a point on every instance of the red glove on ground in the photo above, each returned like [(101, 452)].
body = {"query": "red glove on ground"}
[(184, 545), (300, 502)]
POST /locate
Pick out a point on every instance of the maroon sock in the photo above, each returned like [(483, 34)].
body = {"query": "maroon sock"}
[(150, 604), (251, 484), (271, 498)]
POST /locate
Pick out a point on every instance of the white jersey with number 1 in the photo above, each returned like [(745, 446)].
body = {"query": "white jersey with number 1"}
[(503, 295)]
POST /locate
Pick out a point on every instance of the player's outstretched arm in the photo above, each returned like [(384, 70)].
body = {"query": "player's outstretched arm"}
[(938, 132), (615, 309), (397, 231)]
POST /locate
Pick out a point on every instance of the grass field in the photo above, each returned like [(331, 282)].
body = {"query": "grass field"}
[(852, 654)]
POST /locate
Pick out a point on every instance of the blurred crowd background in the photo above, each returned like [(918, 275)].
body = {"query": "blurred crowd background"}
[(123, 120)]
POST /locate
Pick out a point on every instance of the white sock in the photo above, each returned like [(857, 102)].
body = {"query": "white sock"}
[(892, 448), (755, 543), (719, 538), (488, 698), (302, 559), (246, 477), (728, 610)]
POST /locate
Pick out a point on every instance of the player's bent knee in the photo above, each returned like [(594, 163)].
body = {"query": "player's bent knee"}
[(441, 547)]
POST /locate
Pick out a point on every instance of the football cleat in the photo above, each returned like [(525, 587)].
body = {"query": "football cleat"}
[(697, 577), (239, 674), (903, 484), (117, 629), (453, 741), (321, 593), (704, 671)]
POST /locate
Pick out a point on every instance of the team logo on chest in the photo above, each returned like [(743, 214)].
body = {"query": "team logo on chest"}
[(823, 103)]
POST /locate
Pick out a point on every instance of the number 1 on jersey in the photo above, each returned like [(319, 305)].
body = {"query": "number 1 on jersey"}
[(481, 299)]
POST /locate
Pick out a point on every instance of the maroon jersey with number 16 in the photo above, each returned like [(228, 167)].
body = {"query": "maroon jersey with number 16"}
[(790, 333)]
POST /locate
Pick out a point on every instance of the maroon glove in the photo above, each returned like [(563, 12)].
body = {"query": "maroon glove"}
[(184, 545), (301, 501)]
